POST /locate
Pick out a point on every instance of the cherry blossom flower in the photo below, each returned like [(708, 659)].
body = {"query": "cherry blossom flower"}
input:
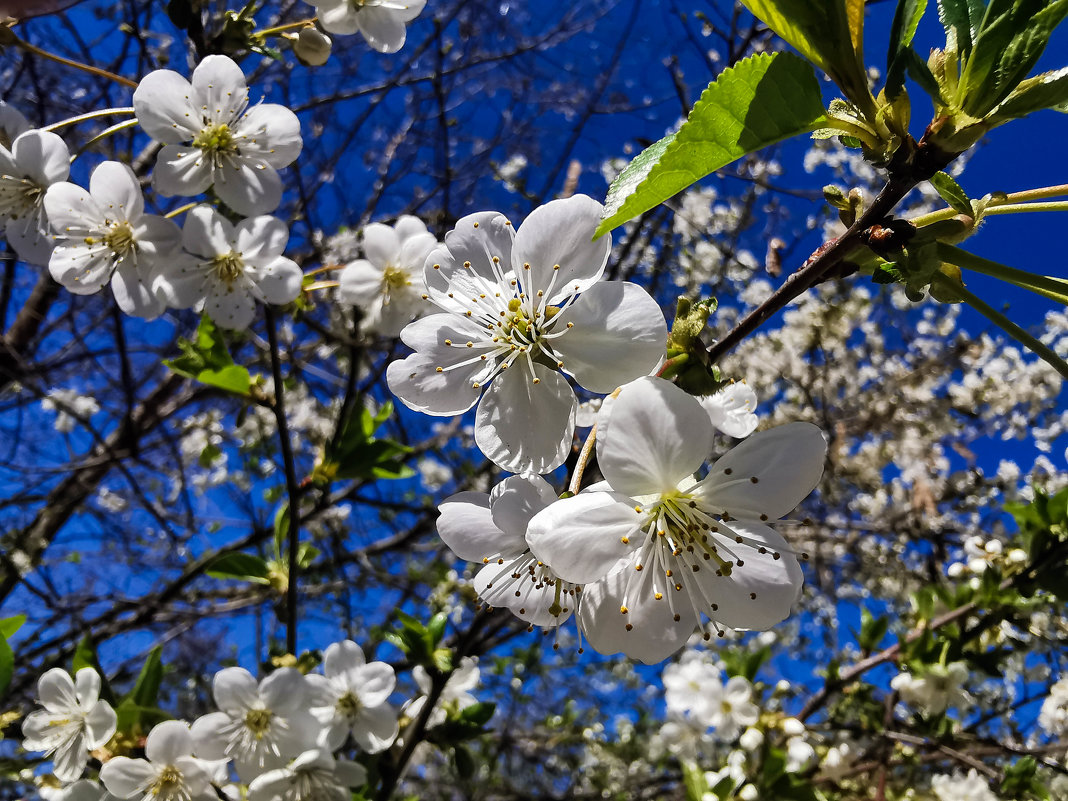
[(731, 410), (12, 124), (260, 727), (35, 161), (171, 772), (351, 698), (388, 284), (236, 148), (936, 689), (312, 776), (959, 787), (232, 268), (74, 721), (380, 21), (456, 694), (686, 683), (491, 530), (104, 234), (514, 314), (666, 549)]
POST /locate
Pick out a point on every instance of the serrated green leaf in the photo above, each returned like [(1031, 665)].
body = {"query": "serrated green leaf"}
[(961, 19), (7, 665), (206, 359), (1048, 90), (240, 566), (951, 192), (9, 625), (907, 18), (920, 72), (823, 32), (762, 100)]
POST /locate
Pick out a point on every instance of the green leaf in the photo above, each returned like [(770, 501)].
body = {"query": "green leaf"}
[(9, 625), (951, 192), (825, 33), (465, 763), (478, 714), (355, 453), (146, 691), (281, 530), (902, 30), (1048, 90), (961, 19), (206, 359), (762, 100), (7, 665), (921, 73), (241, 566), (872, 630)]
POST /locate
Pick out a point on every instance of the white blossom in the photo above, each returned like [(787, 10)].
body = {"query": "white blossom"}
[(74, 721), (959, 787), (514, 313), (171, 772), (456, 694), (313, 776), (732, 410), (382, 22), (936, 689), (666, 549), (70, 406), (231, 268), (233, 147), (1053, 716), (352, 698), (388, 283), (104, 235), (35, 161)]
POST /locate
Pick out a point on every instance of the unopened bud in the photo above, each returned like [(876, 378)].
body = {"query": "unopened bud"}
[(311, 46)]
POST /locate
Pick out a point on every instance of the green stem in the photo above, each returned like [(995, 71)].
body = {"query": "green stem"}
[(1055, 289), (1006, 325), (92, 115), (1013, 201), (286, 27)]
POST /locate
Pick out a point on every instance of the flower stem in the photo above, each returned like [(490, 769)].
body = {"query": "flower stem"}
[(181, 209), (1048, 286), (324, 269), (97, 71), (1013, 203), (292, 485), (321, 285), (286, 27), (92, 115), (104, 134), (583, 460), (1005, 324)]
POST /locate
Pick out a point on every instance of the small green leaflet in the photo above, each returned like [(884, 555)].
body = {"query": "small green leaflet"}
[(951, 192), (762, 100), (7, 665), (9, 625), (241, 566), (961, 19), (1048, 90), (902, 30), (206, 359)]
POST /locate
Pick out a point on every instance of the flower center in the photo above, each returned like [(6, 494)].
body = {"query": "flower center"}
[(18, 196), (168, 782), (394, 279), (349, 705), (228, 267), (216, 140), (258, 721), (120, 238)]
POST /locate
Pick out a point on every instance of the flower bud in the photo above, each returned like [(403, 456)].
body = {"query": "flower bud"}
[(312, 47)]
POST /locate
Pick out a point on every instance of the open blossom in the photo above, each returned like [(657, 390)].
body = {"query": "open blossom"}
[(935, 690), (313, 776), (382, 22), (959, 787), (352, 698), (261, 726), (517, 309), (731, 410), (455, 695), (491, 530), (388, 284), (231, 146), (104, 235), (171, 772), (1053, 716), (74, 721), (35, 161), (231, 268), (659, 549)]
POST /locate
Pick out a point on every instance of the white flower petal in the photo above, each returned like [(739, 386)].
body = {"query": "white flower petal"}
[(654, 634), (180, 283), (235, 691), (341, 657), (270, 132), (31, 239), (529, 597), (283, 691), (181, 170), (249, 186), (211, 732), (374, 683), (381, 245), (587, 537), (474, 241), (207, 233), (157, 237), (55, 691), (164, 109), (87, 687), (651, 437), (69, 761), (383, 28), (619, 335), (514, 501), (279, 279), (100, 723), (466, 526), (261, 237), (337, 18), (72, 211), (375, 728), (117, 189), (731, 410), (526, 427), (124, 777), (769, 473), (43, 157), (561, 233), (359, 283), (168, 741), (133, 297), (350, 774), (219, 89)]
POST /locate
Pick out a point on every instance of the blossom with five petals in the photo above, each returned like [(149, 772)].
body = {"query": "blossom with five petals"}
[(231, 268), (74, 721), (491, 530), (380, 21), (517, 309), (351, 698), (659, 549), (104, 235), (388, 284), (313, 776), (35, 161), (171, 772), (236, 148)]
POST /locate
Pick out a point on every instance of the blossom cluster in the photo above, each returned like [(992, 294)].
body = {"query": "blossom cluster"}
[(282, 738)]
